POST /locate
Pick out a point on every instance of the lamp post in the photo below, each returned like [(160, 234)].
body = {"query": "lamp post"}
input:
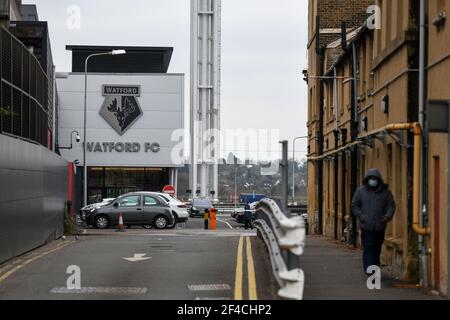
[(110, 53), (236, 168), (293, 166)]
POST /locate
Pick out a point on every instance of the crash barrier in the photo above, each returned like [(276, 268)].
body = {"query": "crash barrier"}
[(229, 209), (298, 209), (285, 239), (302, 211)]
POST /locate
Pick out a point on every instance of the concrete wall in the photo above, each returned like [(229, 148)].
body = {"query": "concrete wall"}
[(33, 193)]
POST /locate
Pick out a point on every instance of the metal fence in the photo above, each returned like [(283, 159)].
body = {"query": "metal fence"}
[(23, 92), (285, 239)]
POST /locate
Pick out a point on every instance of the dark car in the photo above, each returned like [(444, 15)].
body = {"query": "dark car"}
[(137, 209), (239, 213), (198, 207)]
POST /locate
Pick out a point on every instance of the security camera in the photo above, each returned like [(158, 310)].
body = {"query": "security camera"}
[(305, 75), (78, 138), (76, 162)]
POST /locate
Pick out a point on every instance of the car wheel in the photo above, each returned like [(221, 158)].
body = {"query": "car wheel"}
[(102, 222), (161, 222)]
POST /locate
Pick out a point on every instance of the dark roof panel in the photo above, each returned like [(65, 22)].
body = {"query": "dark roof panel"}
[(137, 59)]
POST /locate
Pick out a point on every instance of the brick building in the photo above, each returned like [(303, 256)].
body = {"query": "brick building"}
[(364, 111)]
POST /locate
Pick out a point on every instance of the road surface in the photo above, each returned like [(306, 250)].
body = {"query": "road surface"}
[(184, 263)]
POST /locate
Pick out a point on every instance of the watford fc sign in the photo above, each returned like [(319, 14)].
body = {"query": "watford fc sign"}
[(121, 107)]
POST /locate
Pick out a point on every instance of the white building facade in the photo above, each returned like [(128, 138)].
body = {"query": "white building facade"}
[(134, 130)]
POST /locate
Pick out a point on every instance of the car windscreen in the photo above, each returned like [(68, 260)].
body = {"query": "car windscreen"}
[(107, 202)]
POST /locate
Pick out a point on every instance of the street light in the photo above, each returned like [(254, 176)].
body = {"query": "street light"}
[(109, 53), (293, 166)]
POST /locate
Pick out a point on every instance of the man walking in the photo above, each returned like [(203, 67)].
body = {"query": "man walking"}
[(373, 204), (248, 217)]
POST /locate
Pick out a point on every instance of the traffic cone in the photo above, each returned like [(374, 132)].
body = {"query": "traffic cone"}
[(120, 226)]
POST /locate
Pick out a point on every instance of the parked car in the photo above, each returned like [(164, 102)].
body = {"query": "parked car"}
[(239, 214), (85, 210), (198, 207), (137, 208), (179, 208)]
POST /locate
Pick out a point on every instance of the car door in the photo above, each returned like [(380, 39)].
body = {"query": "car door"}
[(152, 208), (131, 209)]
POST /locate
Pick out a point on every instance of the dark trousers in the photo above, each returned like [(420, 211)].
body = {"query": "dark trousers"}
[(372, 242), (248, 224)]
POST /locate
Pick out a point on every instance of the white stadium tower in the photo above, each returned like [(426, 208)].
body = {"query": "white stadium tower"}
[(205, 96)]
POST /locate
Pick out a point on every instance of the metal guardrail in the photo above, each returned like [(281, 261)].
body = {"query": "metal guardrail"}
[(285, 239)]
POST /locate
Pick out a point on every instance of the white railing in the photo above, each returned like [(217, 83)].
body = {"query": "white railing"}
[(285, 238)]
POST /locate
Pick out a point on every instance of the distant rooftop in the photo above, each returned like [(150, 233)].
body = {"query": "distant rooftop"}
[(137, 59), (29, 12)]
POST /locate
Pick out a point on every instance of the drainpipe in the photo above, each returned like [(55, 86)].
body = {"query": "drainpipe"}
[(344, 184), (336, 157), (424, 162), (54, 123), (320, 54), (346, 236), (336, 184), (320, 142), (336, 99), (354, 134), (417, 212)]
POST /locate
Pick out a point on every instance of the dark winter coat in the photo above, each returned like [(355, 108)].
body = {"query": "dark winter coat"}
[(373, 207), (247, 213)]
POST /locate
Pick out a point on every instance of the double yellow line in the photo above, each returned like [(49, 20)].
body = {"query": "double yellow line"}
[(238, 283)]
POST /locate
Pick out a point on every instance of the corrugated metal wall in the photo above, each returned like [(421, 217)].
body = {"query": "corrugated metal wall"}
[(33, 193)]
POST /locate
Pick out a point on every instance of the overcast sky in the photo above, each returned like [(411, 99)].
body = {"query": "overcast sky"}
[(264, 51)]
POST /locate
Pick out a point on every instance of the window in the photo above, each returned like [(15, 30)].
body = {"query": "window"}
[(131, 201), (166, 198), (150, 201)]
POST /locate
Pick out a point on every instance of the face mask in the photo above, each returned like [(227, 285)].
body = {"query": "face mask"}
[(373, 183)]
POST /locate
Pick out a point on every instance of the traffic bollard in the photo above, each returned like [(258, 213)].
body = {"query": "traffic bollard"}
[(213, 218), (206, 217)]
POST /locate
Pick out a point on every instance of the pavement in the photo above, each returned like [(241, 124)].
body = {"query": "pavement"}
[(334, 272), (186, 263)]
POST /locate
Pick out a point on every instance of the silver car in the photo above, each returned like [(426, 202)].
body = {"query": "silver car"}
[(137, 209)]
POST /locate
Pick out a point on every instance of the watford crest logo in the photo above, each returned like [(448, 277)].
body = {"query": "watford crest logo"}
[(121, 107)]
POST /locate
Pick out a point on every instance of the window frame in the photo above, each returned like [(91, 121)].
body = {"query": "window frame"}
[(157, 202), (136, 206)]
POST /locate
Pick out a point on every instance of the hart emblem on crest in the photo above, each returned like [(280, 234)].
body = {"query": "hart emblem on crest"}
[(121, 107)]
